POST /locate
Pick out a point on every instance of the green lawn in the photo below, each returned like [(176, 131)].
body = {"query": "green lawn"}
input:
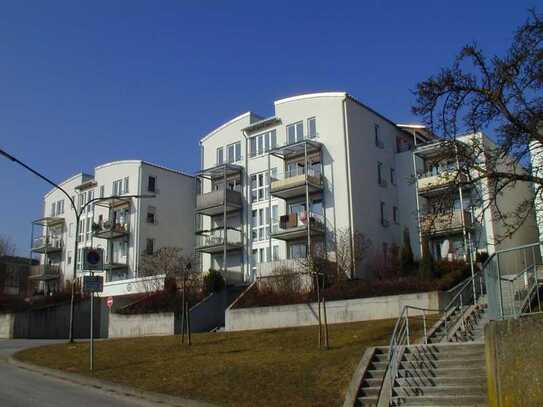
[(280, 367)]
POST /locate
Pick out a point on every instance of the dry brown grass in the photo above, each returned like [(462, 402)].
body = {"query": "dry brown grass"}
[(280, 367)]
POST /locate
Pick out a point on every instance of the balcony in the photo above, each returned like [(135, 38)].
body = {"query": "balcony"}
[(212, 203), (429, 183), (44, 272), (47, 245), (445, 223), (212, 241), (292, 183), (110, 229), (294, 226)]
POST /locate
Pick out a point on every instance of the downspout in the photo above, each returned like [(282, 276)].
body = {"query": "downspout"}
[(348, 173), (137, 236), (244, 214), (417, 191)]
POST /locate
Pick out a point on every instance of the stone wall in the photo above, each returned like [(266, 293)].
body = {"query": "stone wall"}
[(362, 309), (7, 322), (514, 357)]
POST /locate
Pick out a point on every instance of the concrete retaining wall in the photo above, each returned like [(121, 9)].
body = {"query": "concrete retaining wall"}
[(362, 309), (514, 359), (7, 322), (122, 326)]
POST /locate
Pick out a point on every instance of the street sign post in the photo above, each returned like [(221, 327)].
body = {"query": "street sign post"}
[(93, 260)]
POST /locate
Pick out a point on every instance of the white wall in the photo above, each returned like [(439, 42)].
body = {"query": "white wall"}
[(364, 309), (157, 324)]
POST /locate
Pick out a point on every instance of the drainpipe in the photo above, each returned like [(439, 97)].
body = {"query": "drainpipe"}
[(348, 172), (246, 266), (417, 191)]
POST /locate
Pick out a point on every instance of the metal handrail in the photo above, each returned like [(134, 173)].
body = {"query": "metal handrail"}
[(400, 334)]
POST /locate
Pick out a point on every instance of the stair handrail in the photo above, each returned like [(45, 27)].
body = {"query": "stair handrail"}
[(400, 333), (530, 285), (399, 340)]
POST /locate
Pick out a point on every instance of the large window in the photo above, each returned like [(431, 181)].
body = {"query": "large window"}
[(151, 184), (149, 246), (260, 222), (377, 135), (262, 143), (312, 127), (88, 230), (297, 250), (90, 197), (295, 132), (151, 215), (116, 188), (380, 179), (220, 155), (234, 152), (260, 185), (126, 183)]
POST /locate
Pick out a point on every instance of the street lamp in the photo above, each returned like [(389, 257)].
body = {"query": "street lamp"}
[(77, 218)]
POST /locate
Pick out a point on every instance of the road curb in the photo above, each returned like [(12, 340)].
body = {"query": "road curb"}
[(102, 385)]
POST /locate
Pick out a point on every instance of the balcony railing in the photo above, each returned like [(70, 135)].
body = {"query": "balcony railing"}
[(443, 223), (213, 241), (44, 272), (47, 244), (212, 203), (429, 181), (294, 226), (110, 229), (292, 183)]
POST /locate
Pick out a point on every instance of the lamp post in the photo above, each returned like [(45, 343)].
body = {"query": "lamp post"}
[(78, 214)]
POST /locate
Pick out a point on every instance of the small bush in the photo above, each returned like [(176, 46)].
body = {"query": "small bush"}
[(213, 282)]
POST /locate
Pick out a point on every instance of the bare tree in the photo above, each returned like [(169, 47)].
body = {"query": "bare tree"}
[(501, 94), (7, 247), (169, 263), (351, 249)]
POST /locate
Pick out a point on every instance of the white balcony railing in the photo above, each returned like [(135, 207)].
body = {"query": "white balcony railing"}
[(47, 243)]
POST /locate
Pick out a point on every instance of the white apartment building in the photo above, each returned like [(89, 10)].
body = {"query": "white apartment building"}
[(272, 187), (455, 215), (323, 163), (125, 227)]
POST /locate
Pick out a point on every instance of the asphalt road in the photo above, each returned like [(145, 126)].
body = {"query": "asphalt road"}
[(22, 388)]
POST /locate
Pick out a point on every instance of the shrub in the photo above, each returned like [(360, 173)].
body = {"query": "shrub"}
[(407, 262), (213, 282), (426, 267), (170, 285)]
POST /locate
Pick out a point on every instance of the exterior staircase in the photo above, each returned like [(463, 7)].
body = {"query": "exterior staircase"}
[(448, 371)]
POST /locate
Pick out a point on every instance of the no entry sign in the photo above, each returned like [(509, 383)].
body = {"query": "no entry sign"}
[(109, 302)]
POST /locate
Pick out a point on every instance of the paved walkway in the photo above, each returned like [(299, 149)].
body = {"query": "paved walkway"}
[(24, 388)]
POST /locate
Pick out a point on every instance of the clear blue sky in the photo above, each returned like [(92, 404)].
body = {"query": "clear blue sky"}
[(83, 83)]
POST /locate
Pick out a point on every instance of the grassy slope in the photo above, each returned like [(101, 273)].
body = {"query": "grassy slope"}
[(280, 367)]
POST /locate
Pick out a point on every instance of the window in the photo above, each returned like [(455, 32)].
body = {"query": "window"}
[(234, 152), (260, 185), (90, 197), (151, 184), (102, 191), (275, 252), (149, 246), (380, 180), (392, 176), (220, 155), (395, 214), (60, 208), (295, 132), (82, 199), (125, 191), (384, 222), (297, 250), (53, 206), (151, 215), (88, 230), (260, 222), (81, 231), (377, 133), (69, 259), (262, 143), (312, 127), (116, 189)]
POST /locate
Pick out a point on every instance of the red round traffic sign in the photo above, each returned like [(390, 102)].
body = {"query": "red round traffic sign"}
[(109, 302)]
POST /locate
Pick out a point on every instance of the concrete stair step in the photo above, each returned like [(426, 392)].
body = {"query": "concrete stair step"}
[(374, 374), (369, 391), (427, 363), (435, 381), (367, 401), (442, 372), (466, 390), (439, 401)]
